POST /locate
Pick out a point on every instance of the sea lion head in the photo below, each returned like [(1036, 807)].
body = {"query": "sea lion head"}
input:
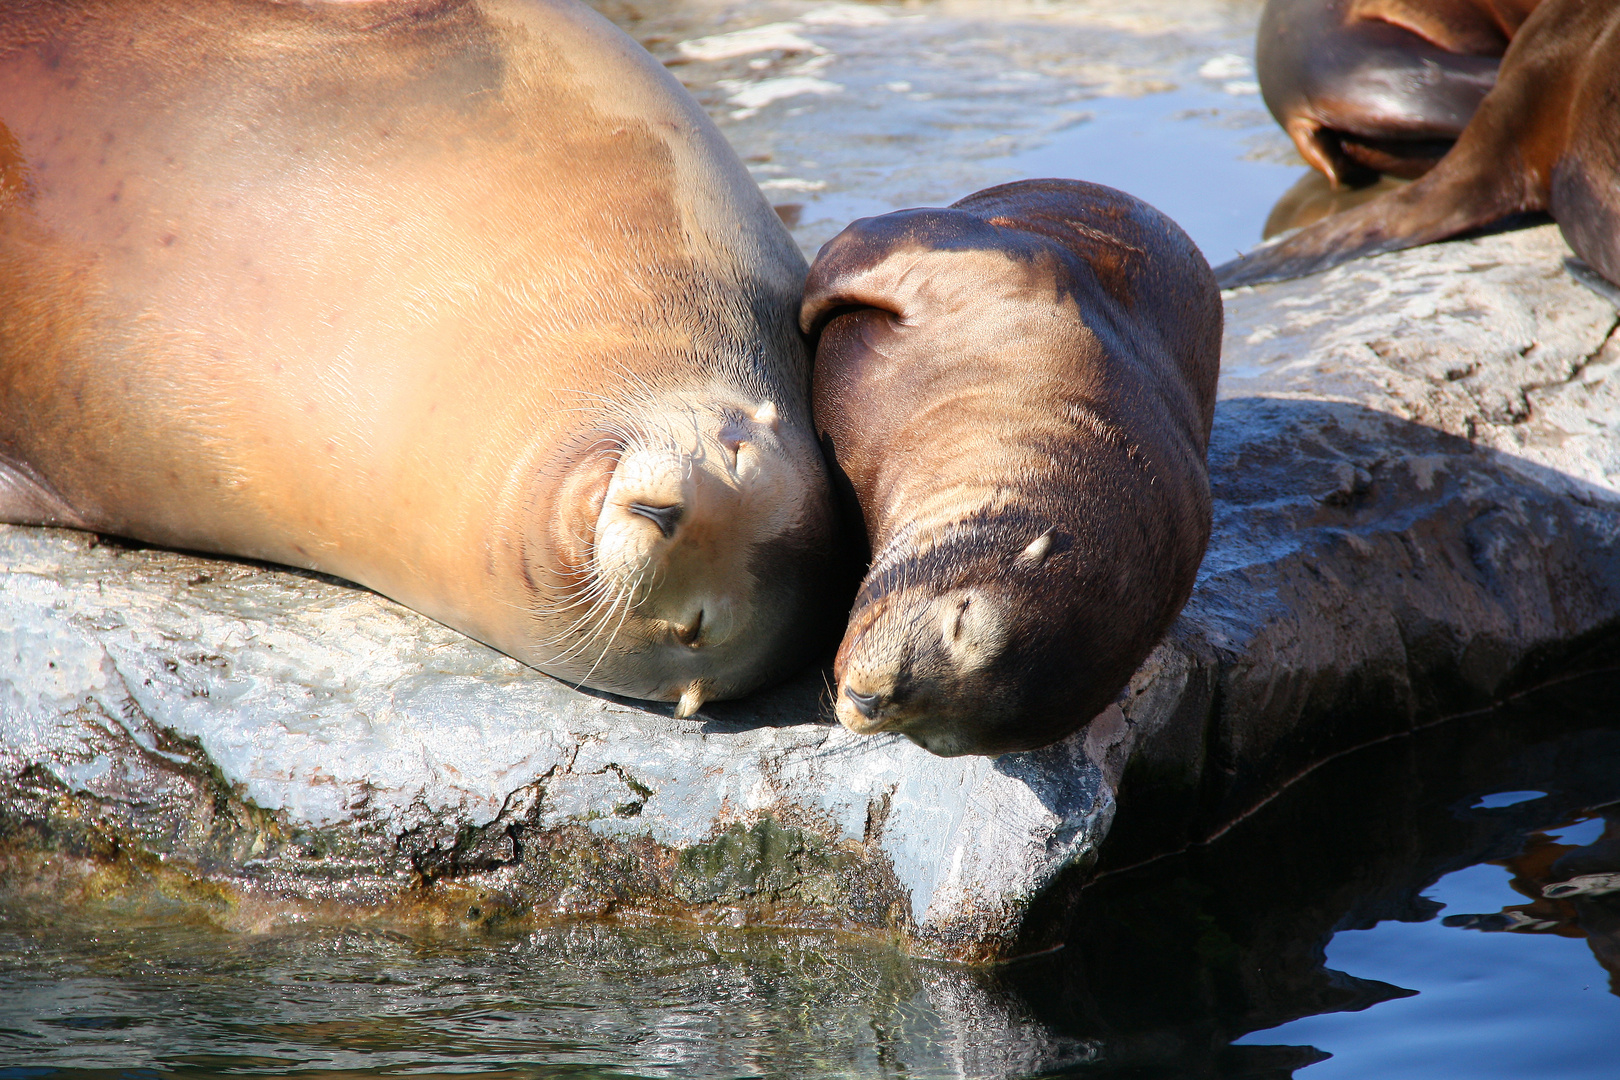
[(960, 646), (680, 554)]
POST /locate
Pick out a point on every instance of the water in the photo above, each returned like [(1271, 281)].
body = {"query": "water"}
[(1487, 1005), (891, 105), (1496, 1002), (1176, 150), (1362, 925)]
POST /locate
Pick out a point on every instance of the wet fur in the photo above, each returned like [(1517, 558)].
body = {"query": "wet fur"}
[(1038, 360), (1544, 139), (1380, 86)]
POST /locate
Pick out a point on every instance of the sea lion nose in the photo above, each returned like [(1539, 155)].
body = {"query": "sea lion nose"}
[(665, 517), (688, 634), (865, 704)]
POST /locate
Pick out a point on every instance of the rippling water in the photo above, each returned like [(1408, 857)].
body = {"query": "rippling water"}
[(1386, 912)]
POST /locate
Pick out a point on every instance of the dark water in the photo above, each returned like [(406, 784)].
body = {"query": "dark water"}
[(1386, 911)]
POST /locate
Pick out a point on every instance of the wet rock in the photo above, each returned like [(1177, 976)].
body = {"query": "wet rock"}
[(1417, 481)]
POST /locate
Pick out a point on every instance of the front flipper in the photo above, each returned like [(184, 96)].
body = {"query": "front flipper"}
[(1500, 166), (1433, 208), (26, 499)]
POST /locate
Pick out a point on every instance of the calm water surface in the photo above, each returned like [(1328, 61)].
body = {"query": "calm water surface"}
[(1382, 919), (861, 109)]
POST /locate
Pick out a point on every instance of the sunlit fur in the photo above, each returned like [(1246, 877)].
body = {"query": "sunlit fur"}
[(467, 301), (710, 609)]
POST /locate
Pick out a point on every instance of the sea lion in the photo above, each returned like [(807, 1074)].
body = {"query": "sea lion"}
[(1017, 392), (1365, 87), (1546, 138), (463, 300)]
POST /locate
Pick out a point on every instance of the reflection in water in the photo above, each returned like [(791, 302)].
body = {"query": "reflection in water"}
[(1574, 891), (1317, 918), (1312, 198), (1308, 930)]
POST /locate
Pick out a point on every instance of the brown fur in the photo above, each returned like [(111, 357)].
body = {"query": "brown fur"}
[(1546, 138), (393, 290), (1019, 391), (1380, 86)]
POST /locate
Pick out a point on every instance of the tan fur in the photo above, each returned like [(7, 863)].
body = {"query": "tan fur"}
[(389, 290)]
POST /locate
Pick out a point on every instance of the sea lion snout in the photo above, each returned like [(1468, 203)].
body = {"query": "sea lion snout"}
[(668, 599), (927, 664)]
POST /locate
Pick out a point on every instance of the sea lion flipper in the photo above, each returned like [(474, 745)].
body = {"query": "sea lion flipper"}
[(1397, 112), (879, 262), (1369, 86), (1543, 139), (27, 499), (1468, 190)]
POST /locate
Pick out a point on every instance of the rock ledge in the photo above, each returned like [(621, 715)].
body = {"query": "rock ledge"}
[(1416, 469)]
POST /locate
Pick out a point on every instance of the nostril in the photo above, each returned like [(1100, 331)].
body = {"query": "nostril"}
[(688, 635), (865, 704), (665, 517)]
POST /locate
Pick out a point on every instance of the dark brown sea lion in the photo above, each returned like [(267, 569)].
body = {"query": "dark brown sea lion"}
[(464, 300), (1380, 86), (1019, 391), (1547, 138)]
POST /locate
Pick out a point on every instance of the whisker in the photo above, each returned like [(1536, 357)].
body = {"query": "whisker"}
[(611, 639)]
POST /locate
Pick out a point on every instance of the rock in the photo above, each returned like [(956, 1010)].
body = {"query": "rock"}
[(1417, 479), (295, 739)]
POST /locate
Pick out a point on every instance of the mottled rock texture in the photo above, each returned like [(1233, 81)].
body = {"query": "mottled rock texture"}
[(1416, 468)]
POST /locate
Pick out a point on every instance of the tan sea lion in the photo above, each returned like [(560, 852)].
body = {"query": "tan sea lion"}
[(1365, 87), (1018, 391), (1546, 138), (463, 300)]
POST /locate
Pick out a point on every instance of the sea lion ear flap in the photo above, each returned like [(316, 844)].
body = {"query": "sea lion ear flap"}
[(897, 263)]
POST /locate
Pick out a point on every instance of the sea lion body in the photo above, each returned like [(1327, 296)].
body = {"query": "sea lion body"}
[(1546, 138), (463, 300), (1019, 391), (1380, 86)]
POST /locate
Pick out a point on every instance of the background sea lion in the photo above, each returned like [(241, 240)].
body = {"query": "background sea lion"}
[(1547, 138), (1018, 390), (463, 300), (1380, 86)]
